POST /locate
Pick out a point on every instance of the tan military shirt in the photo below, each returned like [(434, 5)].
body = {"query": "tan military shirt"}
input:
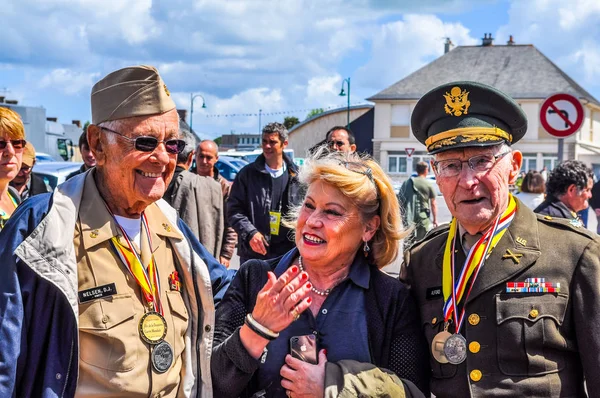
[(114, 360)]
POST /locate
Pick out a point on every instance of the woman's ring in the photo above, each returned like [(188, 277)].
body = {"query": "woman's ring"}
[(296, 316)]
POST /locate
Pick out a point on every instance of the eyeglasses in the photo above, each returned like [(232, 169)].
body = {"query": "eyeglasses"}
[(149, 144), (16, 144), (453, 167), (335, 144)]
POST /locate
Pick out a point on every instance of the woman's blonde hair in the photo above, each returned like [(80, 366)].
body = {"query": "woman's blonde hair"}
[(361, 179), (11, 125)]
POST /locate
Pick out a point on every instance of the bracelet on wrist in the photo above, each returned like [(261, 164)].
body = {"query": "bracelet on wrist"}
[(259, 329)]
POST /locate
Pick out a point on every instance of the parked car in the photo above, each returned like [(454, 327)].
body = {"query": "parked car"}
[(55, 173), (43, 157), (229, 167)]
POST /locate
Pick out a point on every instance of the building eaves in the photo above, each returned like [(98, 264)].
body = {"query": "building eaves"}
[(319, 115), (521, 71)]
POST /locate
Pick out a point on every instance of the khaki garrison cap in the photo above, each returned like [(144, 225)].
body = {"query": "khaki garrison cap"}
[(129, 92)]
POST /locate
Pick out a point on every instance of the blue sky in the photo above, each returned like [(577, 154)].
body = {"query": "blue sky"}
[(278, 56)]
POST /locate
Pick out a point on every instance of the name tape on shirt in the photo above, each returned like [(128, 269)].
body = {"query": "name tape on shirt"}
[(97, 292)]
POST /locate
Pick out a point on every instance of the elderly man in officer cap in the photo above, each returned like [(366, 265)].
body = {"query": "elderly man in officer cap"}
[(104, 292), (510, 301)]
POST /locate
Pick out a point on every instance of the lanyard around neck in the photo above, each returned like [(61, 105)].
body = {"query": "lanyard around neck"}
[(146, 277), (454, 289)]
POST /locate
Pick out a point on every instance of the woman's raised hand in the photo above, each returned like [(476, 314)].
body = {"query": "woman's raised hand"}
[(283, 299)]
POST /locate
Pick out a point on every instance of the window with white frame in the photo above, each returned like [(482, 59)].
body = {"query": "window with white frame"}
[(397, 164), (529, 162), (549, 161)]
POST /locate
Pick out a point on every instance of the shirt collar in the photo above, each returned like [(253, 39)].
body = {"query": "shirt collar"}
[(98, 225)]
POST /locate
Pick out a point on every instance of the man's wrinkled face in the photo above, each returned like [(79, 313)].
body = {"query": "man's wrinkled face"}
[(577, 199), (136, 178), (206, 158), (477, 198), (339, 141), (88, 157)]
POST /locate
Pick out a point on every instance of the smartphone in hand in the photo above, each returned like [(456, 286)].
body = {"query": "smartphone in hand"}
[(304, 348)]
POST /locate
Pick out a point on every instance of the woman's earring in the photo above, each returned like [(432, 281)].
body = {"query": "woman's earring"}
[(366, 249)]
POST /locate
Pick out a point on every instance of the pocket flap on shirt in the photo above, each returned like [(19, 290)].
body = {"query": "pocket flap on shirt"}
[(531, 308), (177, 305), (106, 313)]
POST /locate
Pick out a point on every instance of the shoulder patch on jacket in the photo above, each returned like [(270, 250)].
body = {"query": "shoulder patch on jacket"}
[(565, 223)]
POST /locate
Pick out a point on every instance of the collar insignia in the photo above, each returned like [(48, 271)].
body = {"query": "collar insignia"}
[(521, 241), (513, 256), (457, 102)]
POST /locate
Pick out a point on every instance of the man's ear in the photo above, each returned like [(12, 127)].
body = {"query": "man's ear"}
[(95, 143), (190, 160), (352, 147), (516, 162)]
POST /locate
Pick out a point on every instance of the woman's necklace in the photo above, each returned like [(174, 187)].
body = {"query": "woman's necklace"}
[(325, 292)]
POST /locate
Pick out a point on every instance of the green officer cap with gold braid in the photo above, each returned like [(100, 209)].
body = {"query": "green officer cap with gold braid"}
[(467, 114)]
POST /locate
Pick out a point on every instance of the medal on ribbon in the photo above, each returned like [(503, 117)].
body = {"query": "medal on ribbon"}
[(152, 326), (452, 348)]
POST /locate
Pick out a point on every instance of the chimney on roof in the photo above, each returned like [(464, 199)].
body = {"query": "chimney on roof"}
[(182, 114), (77, 123), (2, 100), (448, 45), (487, 40), (510, 41), (12, 102), (52, 119)]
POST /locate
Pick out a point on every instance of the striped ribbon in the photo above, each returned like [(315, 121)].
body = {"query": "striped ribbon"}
[(146, 277), (473, 263)]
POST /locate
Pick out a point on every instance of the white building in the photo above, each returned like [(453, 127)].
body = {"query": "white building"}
[(521, 71)]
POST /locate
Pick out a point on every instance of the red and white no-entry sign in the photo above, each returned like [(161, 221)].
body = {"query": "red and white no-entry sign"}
[(561, 115)]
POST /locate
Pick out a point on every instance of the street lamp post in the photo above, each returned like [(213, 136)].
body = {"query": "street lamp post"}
[(192, 98), (343, 94)]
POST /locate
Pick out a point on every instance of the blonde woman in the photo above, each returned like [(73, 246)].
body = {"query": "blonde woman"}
[(12, 143), (327, 293)]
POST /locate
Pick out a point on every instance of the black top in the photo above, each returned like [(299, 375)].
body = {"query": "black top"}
[(395, 339)]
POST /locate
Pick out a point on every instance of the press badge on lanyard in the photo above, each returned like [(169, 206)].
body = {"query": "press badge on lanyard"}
[(275, 217)]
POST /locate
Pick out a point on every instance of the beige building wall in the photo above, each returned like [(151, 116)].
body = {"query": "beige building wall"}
[(392, 136), (305, 136)]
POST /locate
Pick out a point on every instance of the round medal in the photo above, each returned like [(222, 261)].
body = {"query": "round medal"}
[(162, 357), (455, 349), (153, 327), (437, 346)]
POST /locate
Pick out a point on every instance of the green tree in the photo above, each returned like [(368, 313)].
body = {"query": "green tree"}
[(218, 140), (314, 112), (290, 121)]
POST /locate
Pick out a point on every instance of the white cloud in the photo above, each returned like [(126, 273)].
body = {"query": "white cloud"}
[(68, 81), (402, 47)]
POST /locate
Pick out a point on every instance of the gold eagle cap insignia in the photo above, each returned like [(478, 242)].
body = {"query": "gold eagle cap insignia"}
[(167, 90), (457, 102)]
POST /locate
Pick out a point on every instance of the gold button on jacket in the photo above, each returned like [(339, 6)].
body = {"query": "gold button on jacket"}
[(542, 353)]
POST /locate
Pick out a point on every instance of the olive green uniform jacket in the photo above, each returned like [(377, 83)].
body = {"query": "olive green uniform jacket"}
[(519, 344)]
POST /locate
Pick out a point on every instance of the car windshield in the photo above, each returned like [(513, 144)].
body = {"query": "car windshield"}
[(49, 180)]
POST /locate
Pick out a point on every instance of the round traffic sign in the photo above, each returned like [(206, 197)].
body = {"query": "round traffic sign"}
[(561, 115)]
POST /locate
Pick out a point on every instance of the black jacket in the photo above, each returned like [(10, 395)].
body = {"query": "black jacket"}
[(395, 338), (555, 208), (82, 169), (249, 204)]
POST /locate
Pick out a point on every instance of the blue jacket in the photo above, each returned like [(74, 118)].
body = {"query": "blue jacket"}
[(39, 347)]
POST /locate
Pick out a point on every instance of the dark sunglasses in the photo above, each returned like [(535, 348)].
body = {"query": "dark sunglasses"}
[(16, 144), (149, 144)]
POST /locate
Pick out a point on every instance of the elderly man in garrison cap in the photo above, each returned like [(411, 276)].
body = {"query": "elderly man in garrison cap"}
[(104, 292), (510, 301)]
